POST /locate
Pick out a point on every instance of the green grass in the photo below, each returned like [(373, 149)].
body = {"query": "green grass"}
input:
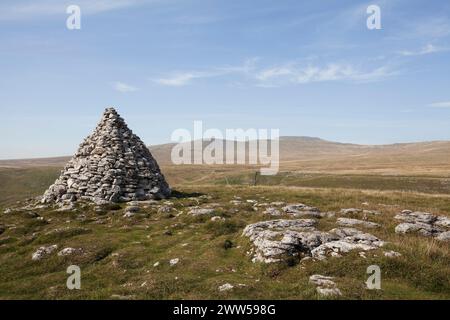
[(19, 184), (354, 181), (119, 253)]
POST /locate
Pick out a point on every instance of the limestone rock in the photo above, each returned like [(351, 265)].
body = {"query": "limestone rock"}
[(350, 211), (300, 209), (226, 287), (413, 217), (392, 254), (276, 238), (423, 223), (42, 252), (443, 236), (111, 165), (201, 211), (347, 222), (69, 251), (272, 211), (329, 292), (325, 285), (173, 262)]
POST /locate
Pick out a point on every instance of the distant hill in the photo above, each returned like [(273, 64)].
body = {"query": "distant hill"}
[(317, 155)]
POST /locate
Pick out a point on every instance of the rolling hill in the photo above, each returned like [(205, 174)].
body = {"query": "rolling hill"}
[(309, 154)]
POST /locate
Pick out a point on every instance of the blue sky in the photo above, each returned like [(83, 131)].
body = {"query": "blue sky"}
[(309, 68)]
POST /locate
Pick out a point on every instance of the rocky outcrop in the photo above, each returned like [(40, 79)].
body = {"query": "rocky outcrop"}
[(424, 223), (325, 286), (348, 222), (300, 209), (43, 252), (111, 165), (274, 239), (296, 210)]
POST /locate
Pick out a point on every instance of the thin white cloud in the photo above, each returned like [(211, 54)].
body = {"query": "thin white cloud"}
[(275, 76), (443, 104), (278, 76), (436, 27), (123, 87), (179, 79), (428, 49)]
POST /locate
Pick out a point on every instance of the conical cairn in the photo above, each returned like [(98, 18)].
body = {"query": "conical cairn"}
[(111, 165)]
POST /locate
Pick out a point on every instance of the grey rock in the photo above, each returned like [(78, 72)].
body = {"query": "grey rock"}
[(423, 223), (174, 261), (325, 285), (347, 222), (225, 287), (69, 251), (350, 211), (414, 217), (276, 238), (443, 236), (392, 254), (111, 165), (272, 211), (329, 292), (299, 207), (42, 252), (442, 221), (201, 211)]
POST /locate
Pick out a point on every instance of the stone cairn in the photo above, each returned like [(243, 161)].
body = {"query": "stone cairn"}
[(111, 165)]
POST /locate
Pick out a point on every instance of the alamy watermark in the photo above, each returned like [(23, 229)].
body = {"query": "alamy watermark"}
[(374, 280), (236, 146), (73, 22), (374, 20), (74, 280)]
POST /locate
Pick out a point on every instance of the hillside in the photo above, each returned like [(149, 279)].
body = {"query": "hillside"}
[(308, 154)]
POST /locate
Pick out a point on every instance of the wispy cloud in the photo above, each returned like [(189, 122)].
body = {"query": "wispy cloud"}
[(429, 48), (123, 87), (442, 104), (287, 74), (314, 73), (179, 79)]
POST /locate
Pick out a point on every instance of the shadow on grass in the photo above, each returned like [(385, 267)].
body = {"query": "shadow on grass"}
[(180, 195)]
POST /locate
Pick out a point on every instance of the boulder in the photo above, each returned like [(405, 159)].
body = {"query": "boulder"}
[(201, 211), (423, 223), (69, 251), (325, 286), (43, 252), (226, 287)]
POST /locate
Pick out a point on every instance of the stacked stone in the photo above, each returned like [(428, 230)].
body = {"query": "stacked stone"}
[(111, 165)]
